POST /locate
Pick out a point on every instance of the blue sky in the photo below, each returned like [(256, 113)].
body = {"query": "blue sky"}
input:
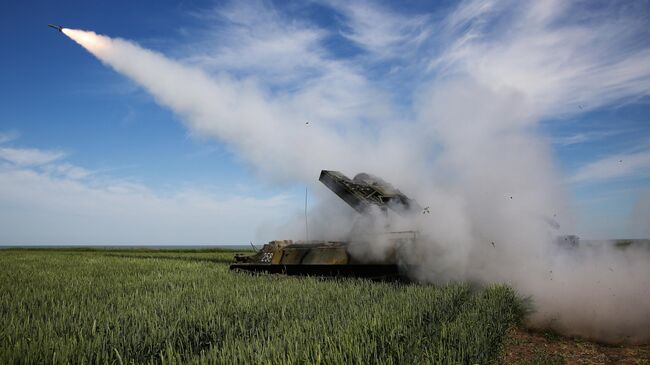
[(72, 127), (100, 123)]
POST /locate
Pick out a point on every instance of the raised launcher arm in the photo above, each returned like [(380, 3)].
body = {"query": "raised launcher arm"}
[(366, 190)]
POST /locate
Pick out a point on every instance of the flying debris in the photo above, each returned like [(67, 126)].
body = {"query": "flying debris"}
[(57, 27), (568, 241)]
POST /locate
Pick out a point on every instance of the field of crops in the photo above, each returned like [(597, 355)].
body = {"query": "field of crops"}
[(138, 306)]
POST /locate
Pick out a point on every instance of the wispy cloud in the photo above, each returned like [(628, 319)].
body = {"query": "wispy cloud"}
[(583, 137), (67, 170), (70, 205), (8, 136), (384, 33), (254, 39), (615, 166), (29, 156), (561, 64), (49, 162)]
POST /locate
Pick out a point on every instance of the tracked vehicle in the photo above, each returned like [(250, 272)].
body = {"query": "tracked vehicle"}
[(332, 258)]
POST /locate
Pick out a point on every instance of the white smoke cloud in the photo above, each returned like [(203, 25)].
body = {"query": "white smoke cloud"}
[(470, 151)]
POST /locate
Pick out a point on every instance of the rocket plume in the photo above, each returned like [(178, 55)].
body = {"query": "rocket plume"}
[(492, 185)]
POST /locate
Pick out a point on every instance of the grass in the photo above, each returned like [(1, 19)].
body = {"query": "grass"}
[(140, 306)]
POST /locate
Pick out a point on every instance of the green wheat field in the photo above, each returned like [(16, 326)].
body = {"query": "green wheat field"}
[(159, 306)]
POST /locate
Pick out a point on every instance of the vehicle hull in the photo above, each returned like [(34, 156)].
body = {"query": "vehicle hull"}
[(368, 271)]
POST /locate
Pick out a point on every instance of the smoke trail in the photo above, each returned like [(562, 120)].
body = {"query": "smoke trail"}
[(265, 132), (492, 185)]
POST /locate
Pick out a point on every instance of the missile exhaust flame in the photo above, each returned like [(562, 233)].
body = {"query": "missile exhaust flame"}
[(91, 41)]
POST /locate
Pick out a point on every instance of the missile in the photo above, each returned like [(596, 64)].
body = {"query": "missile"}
[(57, 27)]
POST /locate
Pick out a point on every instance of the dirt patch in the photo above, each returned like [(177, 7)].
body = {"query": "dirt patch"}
[(523, 346)]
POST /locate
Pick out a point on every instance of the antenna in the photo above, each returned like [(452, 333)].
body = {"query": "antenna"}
[(306, 223), (254, 248)]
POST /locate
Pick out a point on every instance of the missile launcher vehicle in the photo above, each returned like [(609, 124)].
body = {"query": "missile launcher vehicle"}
[(332, 258)]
